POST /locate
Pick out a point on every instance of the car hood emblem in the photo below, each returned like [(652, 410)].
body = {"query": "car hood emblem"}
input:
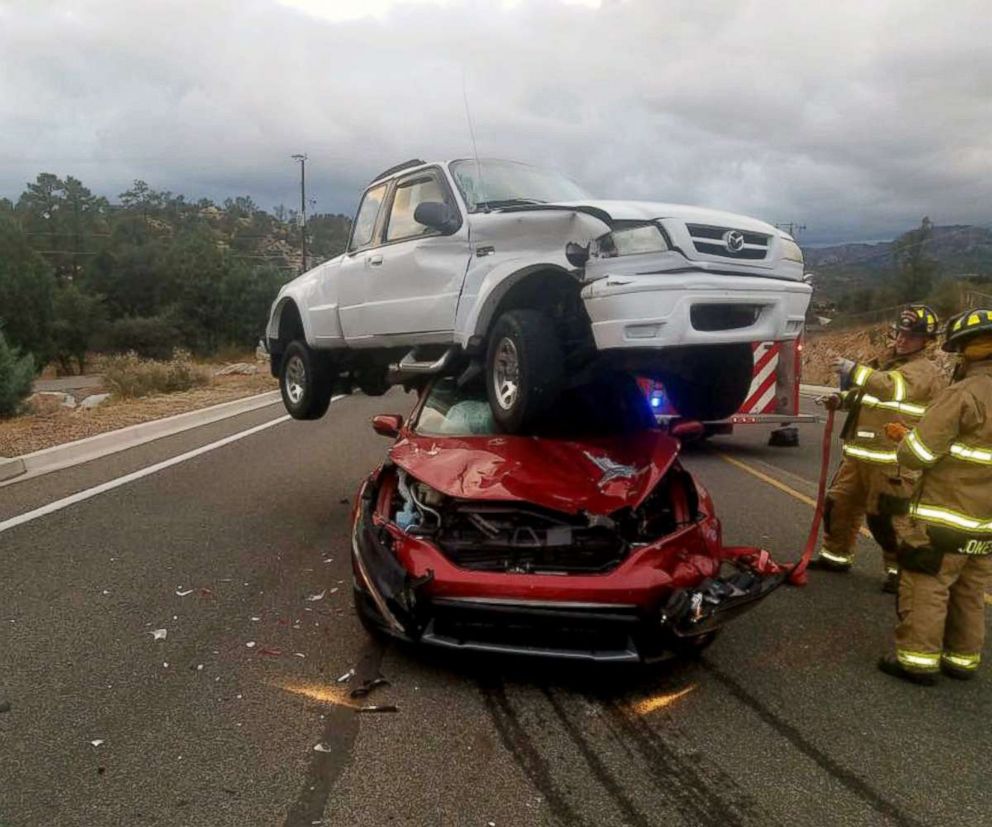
[(734, 239)]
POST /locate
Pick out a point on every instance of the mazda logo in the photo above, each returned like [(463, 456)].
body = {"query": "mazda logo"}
[(734, 240)]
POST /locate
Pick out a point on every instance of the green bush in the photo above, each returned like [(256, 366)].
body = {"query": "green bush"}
[(16, 376), (130, 376), (152, 337)]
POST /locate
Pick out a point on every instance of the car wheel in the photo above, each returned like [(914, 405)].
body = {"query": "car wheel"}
[(523, 368), (367, 615), (305, 382), (693, 647), (712, 382)]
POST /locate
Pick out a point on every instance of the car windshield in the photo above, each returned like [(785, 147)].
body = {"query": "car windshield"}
[(614, 405), (505, 183)]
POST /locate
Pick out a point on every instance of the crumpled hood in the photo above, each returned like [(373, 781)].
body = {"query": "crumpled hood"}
[(597, 476), (651, 210)]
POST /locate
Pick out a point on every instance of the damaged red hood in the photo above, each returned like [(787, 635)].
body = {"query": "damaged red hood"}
[(598, 476)]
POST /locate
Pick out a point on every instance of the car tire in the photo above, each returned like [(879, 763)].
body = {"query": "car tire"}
[(368, 616), (524, 368), (305, 381), (693, 647), (713, 382)]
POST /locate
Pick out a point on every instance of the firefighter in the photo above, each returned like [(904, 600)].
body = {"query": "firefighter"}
[(946, 558), (869, 481)]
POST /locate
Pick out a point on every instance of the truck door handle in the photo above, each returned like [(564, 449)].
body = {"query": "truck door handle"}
[(374, 260)]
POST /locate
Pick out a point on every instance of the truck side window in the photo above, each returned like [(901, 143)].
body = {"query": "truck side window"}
[(408, 195), (361, 235)]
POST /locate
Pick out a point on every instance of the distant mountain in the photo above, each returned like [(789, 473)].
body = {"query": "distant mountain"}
[(960, 250)]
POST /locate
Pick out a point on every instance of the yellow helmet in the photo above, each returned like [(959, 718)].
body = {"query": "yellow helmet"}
[(962, 327)]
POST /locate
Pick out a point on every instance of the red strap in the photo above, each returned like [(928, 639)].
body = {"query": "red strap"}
[(797, 577)]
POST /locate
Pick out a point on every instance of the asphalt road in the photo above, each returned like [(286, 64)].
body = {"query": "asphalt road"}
[(241, 555)]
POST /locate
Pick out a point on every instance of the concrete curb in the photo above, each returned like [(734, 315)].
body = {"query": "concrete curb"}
[(94, 447), (11, 468)]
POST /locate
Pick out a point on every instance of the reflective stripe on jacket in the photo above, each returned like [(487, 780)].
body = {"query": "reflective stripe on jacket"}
[(952, 444), (899, 392)]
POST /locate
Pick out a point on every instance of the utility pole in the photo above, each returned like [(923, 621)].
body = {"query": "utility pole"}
[(791, 227), (303, 204)]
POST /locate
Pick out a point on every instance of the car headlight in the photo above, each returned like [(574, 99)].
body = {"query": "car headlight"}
[(791, 251), (630, 241)]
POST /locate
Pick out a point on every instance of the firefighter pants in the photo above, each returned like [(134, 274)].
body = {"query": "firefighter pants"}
[(859, 489), (942, 616)]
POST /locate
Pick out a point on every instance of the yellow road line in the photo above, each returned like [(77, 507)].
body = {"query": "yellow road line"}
[(781, 486)]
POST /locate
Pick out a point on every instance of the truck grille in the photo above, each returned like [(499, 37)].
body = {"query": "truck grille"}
[(715, 241)]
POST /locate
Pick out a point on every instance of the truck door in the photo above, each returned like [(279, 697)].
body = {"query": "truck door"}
[(414, 277), (353, 272)]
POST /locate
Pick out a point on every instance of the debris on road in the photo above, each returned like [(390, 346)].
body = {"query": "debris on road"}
[(180, 593), (96, 742), (250, 644), (276, 653), (159, 634), (368, 686), (4, 707), (378, 708), (322, 748), (295, 654), (347, 676), (313, 598)]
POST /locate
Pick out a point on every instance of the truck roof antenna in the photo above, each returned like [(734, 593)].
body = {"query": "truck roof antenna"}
[(471, 132)]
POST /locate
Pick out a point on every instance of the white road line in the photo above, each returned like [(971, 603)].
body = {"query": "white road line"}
[(79, 497)]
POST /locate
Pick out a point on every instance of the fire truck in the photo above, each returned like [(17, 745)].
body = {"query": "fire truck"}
[(773, 398)]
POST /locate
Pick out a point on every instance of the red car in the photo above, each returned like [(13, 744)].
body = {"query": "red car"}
[(587, 540)]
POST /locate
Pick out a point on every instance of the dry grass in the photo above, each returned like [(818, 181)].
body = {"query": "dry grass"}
[(32, 432), (129, 376)]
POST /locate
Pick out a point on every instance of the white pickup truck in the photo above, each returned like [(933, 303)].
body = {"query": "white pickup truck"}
[(498, 268)]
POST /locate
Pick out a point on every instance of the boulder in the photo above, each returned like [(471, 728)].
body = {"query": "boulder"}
[(46, 402), (94, 401)]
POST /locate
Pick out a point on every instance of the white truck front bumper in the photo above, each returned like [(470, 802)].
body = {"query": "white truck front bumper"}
[(667, 309)]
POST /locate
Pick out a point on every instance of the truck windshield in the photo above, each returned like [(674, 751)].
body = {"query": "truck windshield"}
[(506, 183)]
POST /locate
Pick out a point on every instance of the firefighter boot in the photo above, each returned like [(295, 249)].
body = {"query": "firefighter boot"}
[(828, 561), (890, 665), (890, 585)]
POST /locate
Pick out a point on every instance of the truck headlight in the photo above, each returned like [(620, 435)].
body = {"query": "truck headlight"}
[(630, 241), (791, 251)]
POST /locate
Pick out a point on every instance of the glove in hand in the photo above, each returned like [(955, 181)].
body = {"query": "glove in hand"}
[(842, 366)]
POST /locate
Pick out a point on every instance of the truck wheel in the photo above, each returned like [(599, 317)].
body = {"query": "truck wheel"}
[(523, 368), (712, 383), (305, 382)]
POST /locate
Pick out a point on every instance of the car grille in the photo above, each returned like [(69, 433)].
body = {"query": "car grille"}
[(712, 241), (514, 538)]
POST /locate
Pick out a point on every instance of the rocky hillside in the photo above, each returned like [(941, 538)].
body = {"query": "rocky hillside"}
[(958, 249), (862, 344)]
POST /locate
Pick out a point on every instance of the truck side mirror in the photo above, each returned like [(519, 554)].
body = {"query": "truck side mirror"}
[(387, 424), (437, 215)]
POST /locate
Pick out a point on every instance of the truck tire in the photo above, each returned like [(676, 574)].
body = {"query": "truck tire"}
[(305, 381), (524, 368), (712, 383)]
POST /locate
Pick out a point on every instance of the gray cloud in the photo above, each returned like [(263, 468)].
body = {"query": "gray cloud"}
[(855, 118)]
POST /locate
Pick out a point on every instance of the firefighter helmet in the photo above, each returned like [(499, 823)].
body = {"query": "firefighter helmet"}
[(965, 325), (917, 319)]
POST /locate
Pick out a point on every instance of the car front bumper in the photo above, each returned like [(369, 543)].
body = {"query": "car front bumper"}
[(660, 310), (640, 611)]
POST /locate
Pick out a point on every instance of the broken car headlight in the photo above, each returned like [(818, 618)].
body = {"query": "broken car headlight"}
[(630, 241), (791, 251)]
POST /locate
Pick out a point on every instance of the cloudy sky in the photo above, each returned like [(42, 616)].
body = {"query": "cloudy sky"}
[(855, 118)]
